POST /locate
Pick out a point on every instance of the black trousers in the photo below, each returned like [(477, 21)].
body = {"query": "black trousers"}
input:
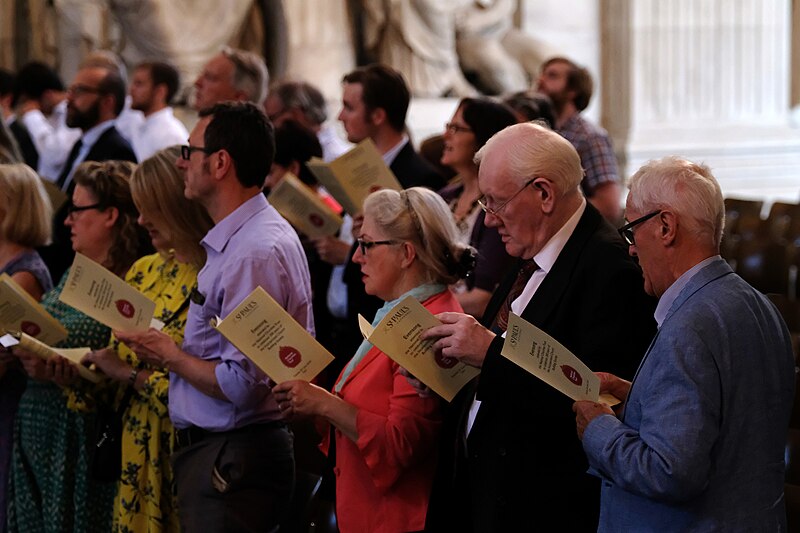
[(235, 481)]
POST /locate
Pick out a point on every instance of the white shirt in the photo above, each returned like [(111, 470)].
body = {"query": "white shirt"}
[(128, 121), (332, 145), (158, 131), (52, 139), (546, 258)]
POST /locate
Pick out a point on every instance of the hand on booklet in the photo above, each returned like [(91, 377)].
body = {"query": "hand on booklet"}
[(108, 362), (151, 346), (461, 337), (423, 390), (613, 385), (56, 369), (298, 398), (586, 411)]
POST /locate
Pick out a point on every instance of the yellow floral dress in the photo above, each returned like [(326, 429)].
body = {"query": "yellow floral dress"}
[(146, 500)]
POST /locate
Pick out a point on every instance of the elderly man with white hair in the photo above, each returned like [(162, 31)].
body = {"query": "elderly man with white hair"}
[(699, 445), (516, 454), (231, 75)]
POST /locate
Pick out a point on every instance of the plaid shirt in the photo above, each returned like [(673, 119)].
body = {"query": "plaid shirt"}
[(594, 147)]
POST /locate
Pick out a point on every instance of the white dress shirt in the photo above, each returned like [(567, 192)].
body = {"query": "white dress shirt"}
[(158, 131), (52, 139)]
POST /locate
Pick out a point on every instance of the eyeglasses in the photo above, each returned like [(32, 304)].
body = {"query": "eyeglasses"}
[(366, 245), (452, 128), (72, 209), (78, 90), (627, 230), (495, 211), (187, 150)]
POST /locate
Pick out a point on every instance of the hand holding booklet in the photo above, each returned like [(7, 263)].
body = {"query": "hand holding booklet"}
[(104, 296), (398, 336), (351, 177), (540, 354), (270, 337), (20, 312), (73, 355), (304, 210)]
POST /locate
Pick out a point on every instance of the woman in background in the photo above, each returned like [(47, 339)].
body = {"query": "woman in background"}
[(25, 215), (475, 120)]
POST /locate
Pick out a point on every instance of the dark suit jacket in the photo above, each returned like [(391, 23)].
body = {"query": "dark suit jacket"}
[(411, 170), (26, 146), (110, 146), (524, 457)]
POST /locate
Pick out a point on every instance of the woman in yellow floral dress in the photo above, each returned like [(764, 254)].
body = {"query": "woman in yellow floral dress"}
[(146, 498)]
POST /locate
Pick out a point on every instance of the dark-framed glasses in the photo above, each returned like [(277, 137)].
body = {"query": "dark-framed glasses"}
[(188, 149), (627, 230), (495, 211), (72, 208), (364, 245)]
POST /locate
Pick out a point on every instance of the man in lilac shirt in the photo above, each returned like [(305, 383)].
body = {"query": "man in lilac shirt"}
[(233, 464)]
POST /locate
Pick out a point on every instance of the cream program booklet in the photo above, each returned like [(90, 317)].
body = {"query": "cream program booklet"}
[(351, 177), (547, 359), (97, 292), (20, 312), (271, 338), (73, 355), (398, 336), (303, 208)]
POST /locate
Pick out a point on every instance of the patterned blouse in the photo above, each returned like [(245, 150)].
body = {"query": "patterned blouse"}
[(146, 498)]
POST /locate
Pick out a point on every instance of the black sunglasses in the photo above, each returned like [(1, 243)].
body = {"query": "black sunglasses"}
[(627, 230), (71, 208)]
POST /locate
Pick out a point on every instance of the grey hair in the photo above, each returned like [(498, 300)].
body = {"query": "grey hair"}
[(303, 96), (686, 188), (531, 149), (250, 73), (420, 216)]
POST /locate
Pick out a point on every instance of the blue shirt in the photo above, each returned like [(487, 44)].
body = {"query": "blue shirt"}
[(253, 246)]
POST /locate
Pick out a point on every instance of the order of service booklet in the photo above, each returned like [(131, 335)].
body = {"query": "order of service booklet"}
[(304, 210), (540, 354), (73, 355), (398, 336), (20, 312), (270, 337), (104, 296), (353, 176)]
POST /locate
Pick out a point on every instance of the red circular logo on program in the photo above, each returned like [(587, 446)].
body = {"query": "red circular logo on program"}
[(30, 328), (572, 374), (375, 188), (289, 356), (316, 220), (125, 308), (444, 362)]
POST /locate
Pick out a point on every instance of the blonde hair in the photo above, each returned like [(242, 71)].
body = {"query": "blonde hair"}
[(689, 189), (421, 217), (27, 211), (157, 189)]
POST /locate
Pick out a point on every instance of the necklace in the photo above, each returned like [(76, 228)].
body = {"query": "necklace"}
[(461, 222)]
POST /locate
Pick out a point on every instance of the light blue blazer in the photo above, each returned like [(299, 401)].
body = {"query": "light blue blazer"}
[(700, 446)]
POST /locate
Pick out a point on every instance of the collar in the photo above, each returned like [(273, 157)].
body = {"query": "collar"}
[(217, 238), (547, 256), (674, 290), (92, 135), (392, 152), (160, 113)]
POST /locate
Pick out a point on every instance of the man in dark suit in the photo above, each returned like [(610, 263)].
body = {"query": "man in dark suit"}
[(510, 455), (375, 102), (95, 98), (7, 102)]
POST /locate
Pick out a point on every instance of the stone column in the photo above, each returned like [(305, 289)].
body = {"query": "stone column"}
[(705, 79)]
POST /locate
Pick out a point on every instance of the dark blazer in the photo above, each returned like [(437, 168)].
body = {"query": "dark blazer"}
[(29, 153), (110, 146), (524, 457)]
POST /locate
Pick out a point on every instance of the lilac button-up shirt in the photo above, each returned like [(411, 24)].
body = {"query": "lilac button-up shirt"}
[(252, 246)]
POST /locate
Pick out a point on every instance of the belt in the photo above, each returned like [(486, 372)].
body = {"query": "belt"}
[(193, 434)]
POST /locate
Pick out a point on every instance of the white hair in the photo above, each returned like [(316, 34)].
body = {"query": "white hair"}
[(689, 189), (531, 149)]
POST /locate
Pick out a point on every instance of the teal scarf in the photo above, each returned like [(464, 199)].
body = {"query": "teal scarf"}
[(421, 293)]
